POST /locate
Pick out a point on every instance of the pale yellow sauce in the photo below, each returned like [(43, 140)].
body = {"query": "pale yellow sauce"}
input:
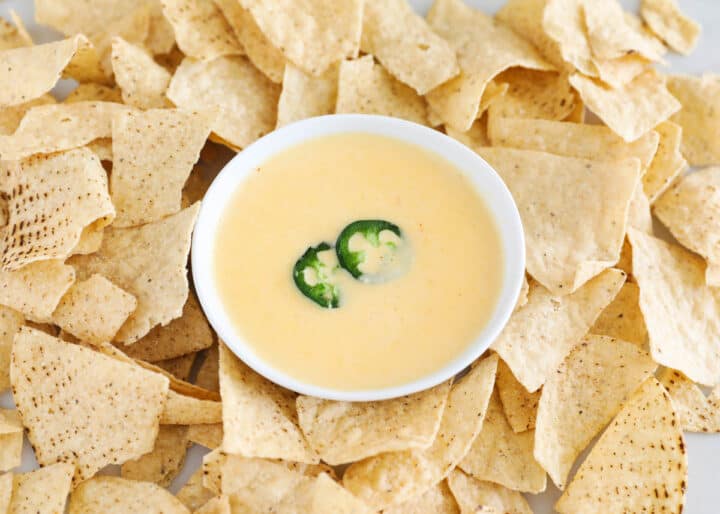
[(383, 334)]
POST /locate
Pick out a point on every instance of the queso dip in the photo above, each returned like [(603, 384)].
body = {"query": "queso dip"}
[(426, 288)]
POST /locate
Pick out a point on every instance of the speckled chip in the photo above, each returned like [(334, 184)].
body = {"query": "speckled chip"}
[(142, 81), (115, 495)]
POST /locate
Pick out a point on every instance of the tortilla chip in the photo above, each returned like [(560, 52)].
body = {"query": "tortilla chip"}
[(585, 393), (185, 410), (476, 138), (564, 23), (164, 462), (114, 412), (258, 47), (539, 335), (133, 26), (304, 96), (161, 36), (259, 417), (472, 495), (201, 30), (406, 45), (667, 21), (484, 49), (701, 128), (697, 412), (611, 35), (344, 432), (535, 94), (43, 491), (114, 495), (179, 366), (323, 32), (10, 117), (570, 139), (193, 494), (219, 505), (11, 439), (209, 436), (10, 322), (395, 477), (154, 152), (644, 437), (73, 16), (639, 215), (622, 319), (93, 310), (86, 65), (630, 111), (245, 98), (58, 127), (437, 500), (36, 289), (6, 487), (668, 162), (367, 88), (519, 405), (28, 72), (142, 81), (502, 456), (91, 92), (186, 334), (12, 36), (551, 193), (618, 72), (102, 148), (679, 309), (148, 262), (207, 376)]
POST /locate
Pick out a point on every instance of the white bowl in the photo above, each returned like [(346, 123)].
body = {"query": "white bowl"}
[(483, 178)]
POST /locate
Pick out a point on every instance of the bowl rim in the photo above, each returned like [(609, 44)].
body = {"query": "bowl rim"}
[(485, 180)]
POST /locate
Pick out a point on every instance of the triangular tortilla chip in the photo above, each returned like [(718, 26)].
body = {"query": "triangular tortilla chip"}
[(154, 153), (570, 139), (179, 367), (641, 452), (186, 334), (114, 411), (149, 263), (186, 410), (304, 96), (667, 21), (93, 310), (395, 477), (193, 494), (165, 460), (36, 289), (114, 495), (563, 21), (257, 46), (701, 128), (585, 393), (10, 322), (160, 39), (630, 111), (259, 417), (502, 456), (668, 162), (323, 33), (697, 412), (243, 99), (680, 311), (209, 436), (437, 500), (552, 192), (367, 88), (406, 45), (74, 192), (201, 30), (43, 491), (472, 495), (519, 405), (11, 439), (142, 81), (58, 127), (133, 26), (539, 335), (622, 318), (535, 94), (343, 432), (485, 48)]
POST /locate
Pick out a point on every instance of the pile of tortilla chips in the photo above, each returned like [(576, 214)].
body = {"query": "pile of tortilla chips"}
[(111, 360)]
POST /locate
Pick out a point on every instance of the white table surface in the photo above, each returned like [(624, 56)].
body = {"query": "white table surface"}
[(703, 496)]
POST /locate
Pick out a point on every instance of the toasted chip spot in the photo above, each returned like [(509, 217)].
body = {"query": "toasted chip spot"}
[(113, 407), (644, 438), (406, 45), (365, 87), (114, 494)]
